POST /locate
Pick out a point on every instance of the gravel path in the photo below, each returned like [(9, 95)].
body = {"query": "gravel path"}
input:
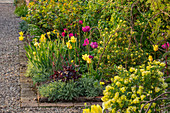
[(9, 66)]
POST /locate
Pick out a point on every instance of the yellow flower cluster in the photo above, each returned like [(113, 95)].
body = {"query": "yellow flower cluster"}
[(86, 58), (130, 88), (113, 54), (21, 36)]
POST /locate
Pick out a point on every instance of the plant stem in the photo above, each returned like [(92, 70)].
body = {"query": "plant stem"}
[(166, 57)]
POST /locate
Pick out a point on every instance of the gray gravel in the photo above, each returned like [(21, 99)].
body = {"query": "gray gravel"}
[(6, 1), (9, 66)]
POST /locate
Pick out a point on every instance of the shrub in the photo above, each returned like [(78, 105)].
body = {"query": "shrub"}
[(50, 15), (21, 11), (129, 90)]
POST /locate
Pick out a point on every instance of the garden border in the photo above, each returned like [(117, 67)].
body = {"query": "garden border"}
[(29, 96)]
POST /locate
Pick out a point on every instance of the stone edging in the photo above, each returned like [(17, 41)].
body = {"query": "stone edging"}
[(29, 94)]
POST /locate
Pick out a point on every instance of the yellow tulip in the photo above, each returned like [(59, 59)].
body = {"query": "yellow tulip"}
[(155, 47), (36, 44), (34, 53), (69, 45), (21, 33), (85, 57), (150, 58), (42, 39), (73, 39), (88, 60), (21, 38)]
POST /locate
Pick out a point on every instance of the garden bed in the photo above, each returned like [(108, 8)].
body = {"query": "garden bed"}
[(98, 50), (31, 98)]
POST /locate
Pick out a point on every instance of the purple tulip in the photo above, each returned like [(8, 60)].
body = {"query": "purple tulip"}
[(86, 42), (86, 29), (94, 44), (91, 57), (75, 34), (165, 45)]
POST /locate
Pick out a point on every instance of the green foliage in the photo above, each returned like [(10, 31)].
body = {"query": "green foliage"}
[(49, 14), (34, 30), (30, 70), (23, 26), (43, 57), (38, 75), (89, 87), (166, 59), (21, 11), (59, 90)]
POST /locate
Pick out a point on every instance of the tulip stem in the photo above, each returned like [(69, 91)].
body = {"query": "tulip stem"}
[(79, 35), (166, 56), (75, 45)]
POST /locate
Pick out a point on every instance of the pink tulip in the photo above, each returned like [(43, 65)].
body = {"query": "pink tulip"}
[(165, 45), (63, 34), (71, 34), (86, 42), (94, 44), (86, 29), (80, 21), (65, 29)]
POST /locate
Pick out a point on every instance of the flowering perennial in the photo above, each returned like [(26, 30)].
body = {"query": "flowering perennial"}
[(165, 45), (86, 29), (86, 42), (21, 36), (94, 44)]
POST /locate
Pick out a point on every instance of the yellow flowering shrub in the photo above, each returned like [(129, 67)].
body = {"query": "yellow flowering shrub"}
[(130, 89)]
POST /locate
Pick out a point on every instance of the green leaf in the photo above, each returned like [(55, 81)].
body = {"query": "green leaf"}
[(167, 53)]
